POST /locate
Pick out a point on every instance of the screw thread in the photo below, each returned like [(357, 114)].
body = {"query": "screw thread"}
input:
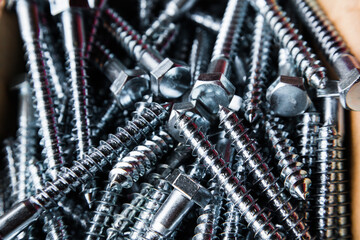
[(256, 165), (166, 37), (11, 172), (54, 226), (145, 12), (229, 33), (116, 144), (209, 216), (205, 21), (331, 198), (134, 165), (321, 27), (307, 128), (199, 56), (254, 95), (295, 178), (129, 38), (239, 195), (112, 112), (290, 38), (126, 217), (75, 212), (152, 202), (233, 226)]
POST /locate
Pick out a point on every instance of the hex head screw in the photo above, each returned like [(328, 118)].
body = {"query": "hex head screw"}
[(237, 193), (263, 177), (82, 170), (289, 37), (169, 79), (335, 49), (214, 87)]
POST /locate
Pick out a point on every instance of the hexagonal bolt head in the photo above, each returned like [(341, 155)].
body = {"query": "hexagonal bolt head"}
[(190, 110), (58, 6), (213, 89), (287, 96), (169, 79), (189, 188), (348, 69), (130, 87)]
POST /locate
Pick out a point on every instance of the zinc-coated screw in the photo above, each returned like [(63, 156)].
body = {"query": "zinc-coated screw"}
[(205, 21), (168, 78), (249, 209), (214, 87), (335, 49), (145, 12), (295, 178), (11, 172), (254, 94), (263, 177), (128, 170), (32, 35), (290, 38), (82, 170), (173, 10)]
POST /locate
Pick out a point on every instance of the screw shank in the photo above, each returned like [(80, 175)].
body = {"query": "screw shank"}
[(19, 217)]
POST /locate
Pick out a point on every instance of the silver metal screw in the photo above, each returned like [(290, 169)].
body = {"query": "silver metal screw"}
[(249, 209), (169, 79), (205, 21), (254, 94), (32, 35), (293, 175), (214, 88), (185, 194), (335, 49), (290, 38), (173, 10), (287, 95), (128, 170), (263, 177), (82, 170)]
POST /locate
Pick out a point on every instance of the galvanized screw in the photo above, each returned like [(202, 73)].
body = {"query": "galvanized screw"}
[(335, 49)]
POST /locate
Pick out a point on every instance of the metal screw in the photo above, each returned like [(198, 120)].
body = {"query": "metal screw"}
[(186, 193), (335, 49), (295, 178), (289, 37), (129, 86), (32, 36), (145, 12), (249, 209), (82, 170), (173, 10), (255, 163), (128, 170), (287, 95), (214, 88), (205, 21), (168, 78), (254, 96)]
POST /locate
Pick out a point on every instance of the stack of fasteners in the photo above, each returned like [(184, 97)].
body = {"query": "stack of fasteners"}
[(179, 119)]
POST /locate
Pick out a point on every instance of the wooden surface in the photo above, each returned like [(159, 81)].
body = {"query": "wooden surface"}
[(345, 15)]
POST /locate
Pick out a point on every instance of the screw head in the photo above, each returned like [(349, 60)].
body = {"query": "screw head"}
[(170, 79), (191, 189), (213, 89), (287, 96), (130, 86), (348, 69)]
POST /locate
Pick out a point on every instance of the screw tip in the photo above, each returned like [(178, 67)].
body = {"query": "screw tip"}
[(301, 191)]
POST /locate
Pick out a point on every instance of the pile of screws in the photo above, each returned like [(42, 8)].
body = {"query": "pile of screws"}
[(240, 137)]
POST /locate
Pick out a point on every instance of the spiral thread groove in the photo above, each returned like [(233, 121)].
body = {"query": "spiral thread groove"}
[(331, 180), (256, 164), (254, 95), (321, 27), (290, 38), (83, 170), (130, 168), (239, 195), (228, 36)]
